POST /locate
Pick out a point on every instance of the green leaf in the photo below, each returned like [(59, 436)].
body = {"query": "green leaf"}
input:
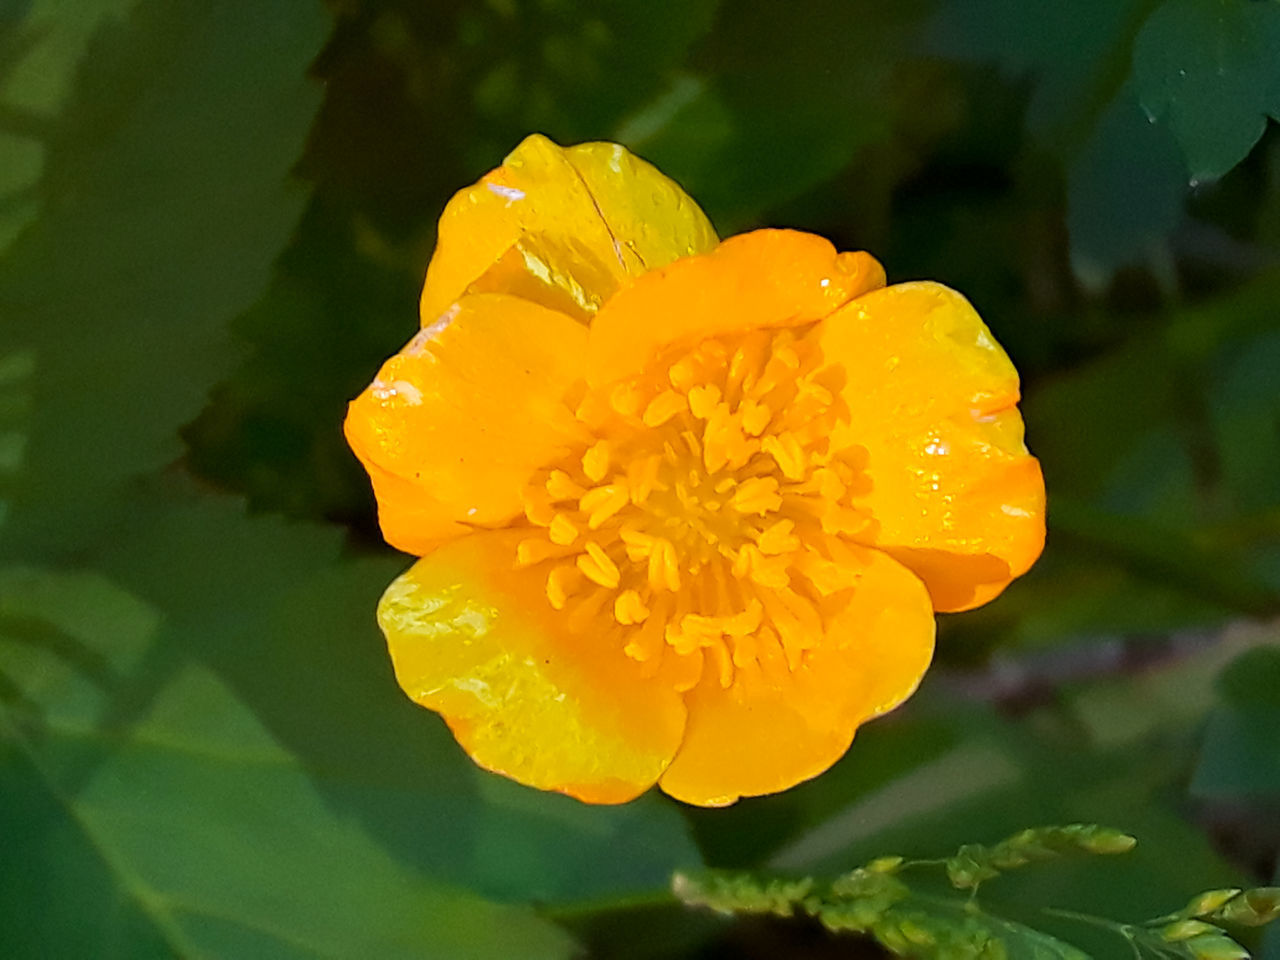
[(1124, 192), (164, 201), (1245, 413), (1125, 178), (1239, 757), (1207, 68), (66, 638), (774, 104), (184, 825), (1064, 48), (570, 68), (40, 48), (293, 634)]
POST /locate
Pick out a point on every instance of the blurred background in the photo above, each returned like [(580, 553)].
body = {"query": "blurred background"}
[(215, 217)]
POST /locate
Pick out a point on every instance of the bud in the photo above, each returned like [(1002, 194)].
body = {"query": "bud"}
[(1105, 840), (917, 934), (1215, 946), (970, 867), (1253, 908), (740, 892), (1209, 901), (884, 864), (858, 916), (1185, 930)]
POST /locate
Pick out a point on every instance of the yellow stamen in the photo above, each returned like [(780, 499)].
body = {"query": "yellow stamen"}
[(727, 531), (625, 399), (537, 507), (560, 486), (562, 582), (628, 608), (562, 530), (535, 550), (755, 416), (638, 544), (786, 450), (757, 495), (778, 538), (597, 567), (664, 567), (663, 407), (595, 462), (722, 663), (681, 375), (703, 400), (603, 502)]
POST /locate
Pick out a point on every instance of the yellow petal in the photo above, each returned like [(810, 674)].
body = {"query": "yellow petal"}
[(476, 641), (932, 398), (456, 422), (769, 732), (562, 227), (766, 278)]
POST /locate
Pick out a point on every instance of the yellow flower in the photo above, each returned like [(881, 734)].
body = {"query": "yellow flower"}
[(685, 507)]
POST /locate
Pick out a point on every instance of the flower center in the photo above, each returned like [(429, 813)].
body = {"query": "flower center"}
[(706, 519)]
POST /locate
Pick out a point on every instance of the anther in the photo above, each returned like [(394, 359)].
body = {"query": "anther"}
[(786, 450), (597, 567), (629, 609), (603, 502), (663, 407), (562, 581), (625, 399), (703, 400), (778, 538), (757, 495), (664, 567), (560, 486), (562, 530), (595, 462), (755, 416)]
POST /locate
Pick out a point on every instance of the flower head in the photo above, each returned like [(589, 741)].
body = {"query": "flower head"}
[(685, 508)]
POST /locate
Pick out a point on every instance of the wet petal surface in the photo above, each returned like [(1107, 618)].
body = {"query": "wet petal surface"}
[(525, 694), (932, 398)]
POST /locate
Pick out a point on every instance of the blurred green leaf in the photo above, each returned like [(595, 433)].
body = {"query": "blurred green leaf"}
[(571, 69), (41, 43), (269, 430), (293, 634), (1208, 69), (66, 638), (1125, 180), (775, 103), (234, 854), (1239, 756), (1069, 50), (1245, 412), (163, 202), (1125, 190)]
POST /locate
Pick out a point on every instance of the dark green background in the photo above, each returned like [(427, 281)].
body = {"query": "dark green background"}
[(214, 220)]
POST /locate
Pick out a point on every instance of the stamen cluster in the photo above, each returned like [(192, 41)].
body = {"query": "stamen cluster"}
[(706, 510)]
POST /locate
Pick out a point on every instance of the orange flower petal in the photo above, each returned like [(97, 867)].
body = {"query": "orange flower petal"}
[(457, 420), (475, 640), (766, 278), (562, 227), (932, 398), (770, 732)]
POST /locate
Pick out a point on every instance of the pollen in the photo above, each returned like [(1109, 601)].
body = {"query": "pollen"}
[(706, 514)]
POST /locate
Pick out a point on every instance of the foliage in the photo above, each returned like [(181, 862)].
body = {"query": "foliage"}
[(882, 901), (214, 218)]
